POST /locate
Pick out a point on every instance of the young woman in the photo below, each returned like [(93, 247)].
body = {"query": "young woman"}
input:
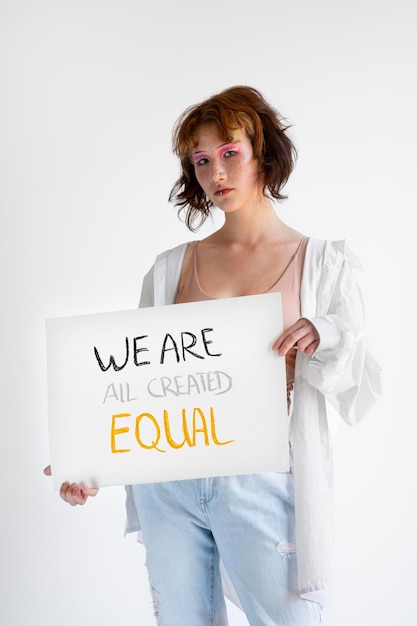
[(264, 540)]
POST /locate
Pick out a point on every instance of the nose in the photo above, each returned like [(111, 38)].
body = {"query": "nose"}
[(218, 172)]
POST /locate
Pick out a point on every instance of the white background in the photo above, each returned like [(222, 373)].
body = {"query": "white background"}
[(89, 94)]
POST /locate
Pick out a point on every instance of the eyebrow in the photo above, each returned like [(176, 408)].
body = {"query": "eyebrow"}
[(227, 143)]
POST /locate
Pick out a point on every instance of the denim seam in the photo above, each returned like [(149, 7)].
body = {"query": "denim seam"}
[(211, 565)]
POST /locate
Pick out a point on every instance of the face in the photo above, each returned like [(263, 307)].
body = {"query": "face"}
[(227, 172)]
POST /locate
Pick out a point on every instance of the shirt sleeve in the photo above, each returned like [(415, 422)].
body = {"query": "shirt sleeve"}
[(147, 293), (343, 367)]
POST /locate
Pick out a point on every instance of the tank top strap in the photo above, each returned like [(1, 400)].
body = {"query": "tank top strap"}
[(190, 290)]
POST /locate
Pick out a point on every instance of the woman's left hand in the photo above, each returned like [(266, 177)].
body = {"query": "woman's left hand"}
[(302, 334)]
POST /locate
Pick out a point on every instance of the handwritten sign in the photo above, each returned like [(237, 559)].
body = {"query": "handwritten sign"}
[(167, 393)]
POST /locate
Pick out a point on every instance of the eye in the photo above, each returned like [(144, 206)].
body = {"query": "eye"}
[(200, 161), (231, 150)]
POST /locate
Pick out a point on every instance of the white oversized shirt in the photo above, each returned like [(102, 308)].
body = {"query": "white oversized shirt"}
[(342, 371)]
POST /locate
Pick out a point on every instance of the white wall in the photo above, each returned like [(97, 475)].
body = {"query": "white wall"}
[(89, 93)]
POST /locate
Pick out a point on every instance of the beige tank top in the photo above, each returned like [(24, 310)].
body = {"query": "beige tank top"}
[(288, 284)]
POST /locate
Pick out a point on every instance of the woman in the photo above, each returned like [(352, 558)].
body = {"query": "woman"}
[(263, 539)]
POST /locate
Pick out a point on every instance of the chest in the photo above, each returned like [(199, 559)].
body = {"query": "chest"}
[(231, 273)]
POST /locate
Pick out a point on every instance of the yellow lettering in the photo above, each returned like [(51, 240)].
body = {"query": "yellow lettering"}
[(154, 444), (168, 434), (147, 428), (213, 431), (185, 427), (203, 429), (118, 431)]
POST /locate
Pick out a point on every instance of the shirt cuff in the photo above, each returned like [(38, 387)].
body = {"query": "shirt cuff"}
[(330, 337)]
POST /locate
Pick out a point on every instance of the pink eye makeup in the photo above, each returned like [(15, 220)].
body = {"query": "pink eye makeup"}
[(233, 147), (201, 158)]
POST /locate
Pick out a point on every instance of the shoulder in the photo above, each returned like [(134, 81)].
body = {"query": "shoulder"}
[(165, 260), (171, 260), (323, 252), (327, 263), (172, 254), (163, 277), (325, 247)]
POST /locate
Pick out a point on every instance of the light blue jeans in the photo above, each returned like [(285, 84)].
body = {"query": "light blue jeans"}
[(248, 523)]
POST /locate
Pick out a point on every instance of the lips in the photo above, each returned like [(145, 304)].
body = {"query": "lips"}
[(222, 192)]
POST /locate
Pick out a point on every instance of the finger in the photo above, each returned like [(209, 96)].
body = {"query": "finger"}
[(308, 344), (291, 340), (310, 341), (72, 494), (279, 341), (89, 491), (47, 471), (310, 350), (77, 495), (302, 334), (66, 493)]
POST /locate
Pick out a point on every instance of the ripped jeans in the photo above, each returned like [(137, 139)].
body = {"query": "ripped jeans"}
[(247, 523)]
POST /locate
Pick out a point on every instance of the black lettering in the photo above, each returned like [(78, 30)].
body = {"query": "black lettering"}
[(136, 351), (207, 341), (112, 362), (165, 349), (189, 346)]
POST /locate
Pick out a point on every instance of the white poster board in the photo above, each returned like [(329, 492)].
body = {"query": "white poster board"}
[(167, 393)]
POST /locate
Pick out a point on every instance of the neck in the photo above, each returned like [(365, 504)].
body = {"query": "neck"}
[(252, 226)]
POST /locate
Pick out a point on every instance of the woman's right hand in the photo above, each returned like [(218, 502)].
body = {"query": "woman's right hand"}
[(73, 493)]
